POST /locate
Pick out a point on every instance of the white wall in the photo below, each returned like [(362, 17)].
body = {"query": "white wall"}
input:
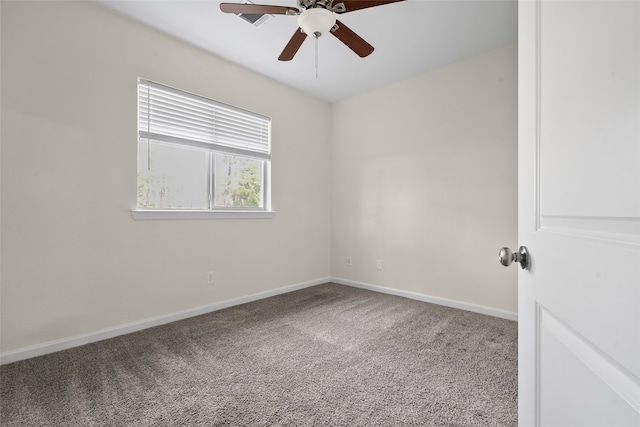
[(73, 259), (421, 174), (425, 179)]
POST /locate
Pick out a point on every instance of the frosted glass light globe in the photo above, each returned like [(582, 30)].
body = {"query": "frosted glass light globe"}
[(316, 22)]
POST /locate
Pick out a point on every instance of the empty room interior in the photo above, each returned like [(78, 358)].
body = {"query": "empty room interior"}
[(372, 254)]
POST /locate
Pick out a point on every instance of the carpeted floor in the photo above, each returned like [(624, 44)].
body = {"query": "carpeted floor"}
[(329, 355)]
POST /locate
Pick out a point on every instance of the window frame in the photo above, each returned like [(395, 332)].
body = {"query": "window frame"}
[(257, 149)]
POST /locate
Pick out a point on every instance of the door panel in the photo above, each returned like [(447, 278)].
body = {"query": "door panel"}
[(568, 360), (589, 101), (579, 213)]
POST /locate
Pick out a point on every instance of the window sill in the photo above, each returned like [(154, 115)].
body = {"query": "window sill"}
[(151, 214)]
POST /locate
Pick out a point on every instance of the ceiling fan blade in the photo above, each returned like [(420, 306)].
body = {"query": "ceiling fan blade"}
[(351, 5), (352, 40), (258, 9), (292, 47)]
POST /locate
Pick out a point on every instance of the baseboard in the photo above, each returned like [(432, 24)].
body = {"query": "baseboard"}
[(103, 334), (504, 314)]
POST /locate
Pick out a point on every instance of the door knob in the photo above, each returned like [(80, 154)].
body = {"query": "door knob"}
[(506, 257)]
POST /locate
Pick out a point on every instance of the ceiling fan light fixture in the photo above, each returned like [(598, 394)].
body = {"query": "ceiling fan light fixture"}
[(317, 21)]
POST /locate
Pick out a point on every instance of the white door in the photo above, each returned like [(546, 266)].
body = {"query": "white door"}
[(579, 213)]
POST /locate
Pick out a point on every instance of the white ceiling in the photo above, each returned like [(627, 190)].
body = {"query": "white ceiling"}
[(410, 38)]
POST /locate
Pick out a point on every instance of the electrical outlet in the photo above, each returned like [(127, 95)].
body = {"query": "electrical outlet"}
[(210, 278), (349, 263), (379, 264)]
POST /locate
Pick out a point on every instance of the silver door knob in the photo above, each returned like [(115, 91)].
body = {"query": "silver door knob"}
[(506, 257)]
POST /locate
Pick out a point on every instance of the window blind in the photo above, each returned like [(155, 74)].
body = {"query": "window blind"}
[(170, 115)]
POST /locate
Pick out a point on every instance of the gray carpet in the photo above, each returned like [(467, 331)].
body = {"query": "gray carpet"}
[(329, 355)]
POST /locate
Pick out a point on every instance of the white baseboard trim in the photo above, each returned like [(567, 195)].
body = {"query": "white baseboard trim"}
[(504, 314), (103, 334)]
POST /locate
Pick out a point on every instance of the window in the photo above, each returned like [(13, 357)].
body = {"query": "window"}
[(199, 155)]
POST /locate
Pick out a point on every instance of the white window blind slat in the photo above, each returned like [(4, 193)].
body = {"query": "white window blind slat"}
[(185, 117), (167, 96)]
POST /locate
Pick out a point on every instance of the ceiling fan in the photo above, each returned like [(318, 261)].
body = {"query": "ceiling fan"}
[(315, 18)]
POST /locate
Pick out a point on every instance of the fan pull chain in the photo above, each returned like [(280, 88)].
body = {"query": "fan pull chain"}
[(316, 37)]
